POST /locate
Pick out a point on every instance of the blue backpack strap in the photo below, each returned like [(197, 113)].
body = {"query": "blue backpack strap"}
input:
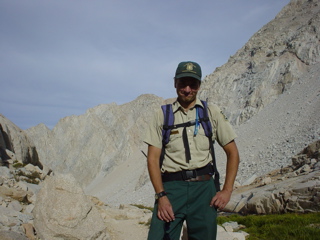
[(207, 127), (168, 121), (205, 120), (166, 130)]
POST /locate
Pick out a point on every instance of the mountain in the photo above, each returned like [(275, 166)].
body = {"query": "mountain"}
[(269, 64), (269, 89)]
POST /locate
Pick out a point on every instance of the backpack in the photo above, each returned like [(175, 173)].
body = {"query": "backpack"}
[(168, 125)]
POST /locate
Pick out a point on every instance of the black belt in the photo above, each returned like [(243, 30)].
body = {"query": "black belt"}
[(200, 174)]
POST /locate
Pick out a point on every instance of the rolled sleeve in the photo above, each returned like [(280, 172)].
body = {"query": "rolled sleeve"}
[(223, 131), (153, 135)]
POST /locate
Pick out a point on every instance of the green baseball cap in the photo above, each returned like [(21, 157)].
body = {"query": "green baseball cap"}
[(188, 69)]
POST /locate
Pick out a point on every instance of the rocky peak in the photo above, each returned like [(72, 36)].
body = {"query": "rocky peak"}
[(271, 61)]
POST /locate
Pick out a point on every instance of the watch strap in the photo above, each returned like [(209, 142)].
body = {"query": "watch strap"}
[(160, 194)]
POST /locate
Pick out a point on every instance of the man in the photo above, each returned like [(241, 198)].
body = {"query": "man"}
[(194, 198)]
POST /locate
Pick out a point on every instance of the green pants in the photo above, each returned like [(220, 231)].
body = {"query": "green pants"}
[(190, 201)]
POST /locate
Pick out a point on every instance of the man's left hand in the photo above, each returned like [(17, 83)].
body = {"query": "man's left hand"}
[(221, 199)]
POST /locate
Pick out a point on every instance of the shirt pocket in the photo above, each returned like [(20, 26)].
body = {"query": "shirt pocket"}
[(201, 141), (175, 142)]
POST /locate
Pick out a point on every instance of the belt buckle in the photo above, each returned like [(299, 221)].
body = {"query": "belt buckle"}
[(190, 175)]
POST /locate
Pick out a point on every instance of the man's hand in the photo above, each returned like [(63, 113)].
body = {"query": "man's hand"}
[(165, 212), (221, 199)]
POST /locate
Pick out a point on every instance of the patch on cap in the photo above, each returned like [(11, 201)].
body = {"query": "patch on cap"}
[(189, 67)]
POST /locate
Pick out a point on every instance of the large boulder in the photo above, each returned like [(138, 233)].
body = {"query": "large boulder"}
[(62, 211)]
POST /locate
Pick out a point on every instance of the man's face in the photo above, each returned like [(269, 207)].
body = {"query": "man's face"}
[(187, 89)]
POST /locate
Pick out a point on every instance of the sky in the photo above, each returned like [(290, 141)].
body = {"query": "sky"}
[(61, 57)]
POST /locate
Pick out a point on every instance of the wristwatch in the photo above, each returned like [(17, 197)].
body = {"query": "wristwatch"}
[(160, 194)]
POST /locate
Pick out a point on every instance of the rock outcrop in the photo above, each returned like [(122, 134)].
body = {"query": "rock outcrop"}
[(295, 188), (15, 144)]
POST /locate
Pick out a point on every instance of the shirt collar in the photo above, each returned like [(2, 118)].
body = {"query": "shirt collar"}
[(176, 105)]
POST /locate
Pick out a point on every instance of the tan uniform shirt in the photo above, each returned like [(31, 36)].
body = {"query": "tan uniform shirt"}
[(175, 158)]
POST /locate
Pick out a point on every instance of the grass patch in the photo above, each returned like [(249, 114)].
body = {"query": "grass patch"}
[(288, 226)]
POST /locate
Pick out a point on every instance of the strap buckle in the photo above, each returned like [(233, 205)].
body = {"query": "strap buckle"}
[(189, 174)]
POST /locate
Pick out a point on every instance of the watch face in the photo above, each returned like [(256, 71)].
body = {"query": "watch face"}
[(156, 196)]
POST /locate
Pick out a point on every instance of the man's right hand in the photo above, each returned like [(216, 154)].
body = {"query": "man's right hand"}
[(165, 212)]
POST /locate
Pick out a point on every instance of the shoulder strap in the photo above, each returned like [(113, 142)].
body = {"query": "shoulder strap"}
[(168, 121), (204, 119)]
